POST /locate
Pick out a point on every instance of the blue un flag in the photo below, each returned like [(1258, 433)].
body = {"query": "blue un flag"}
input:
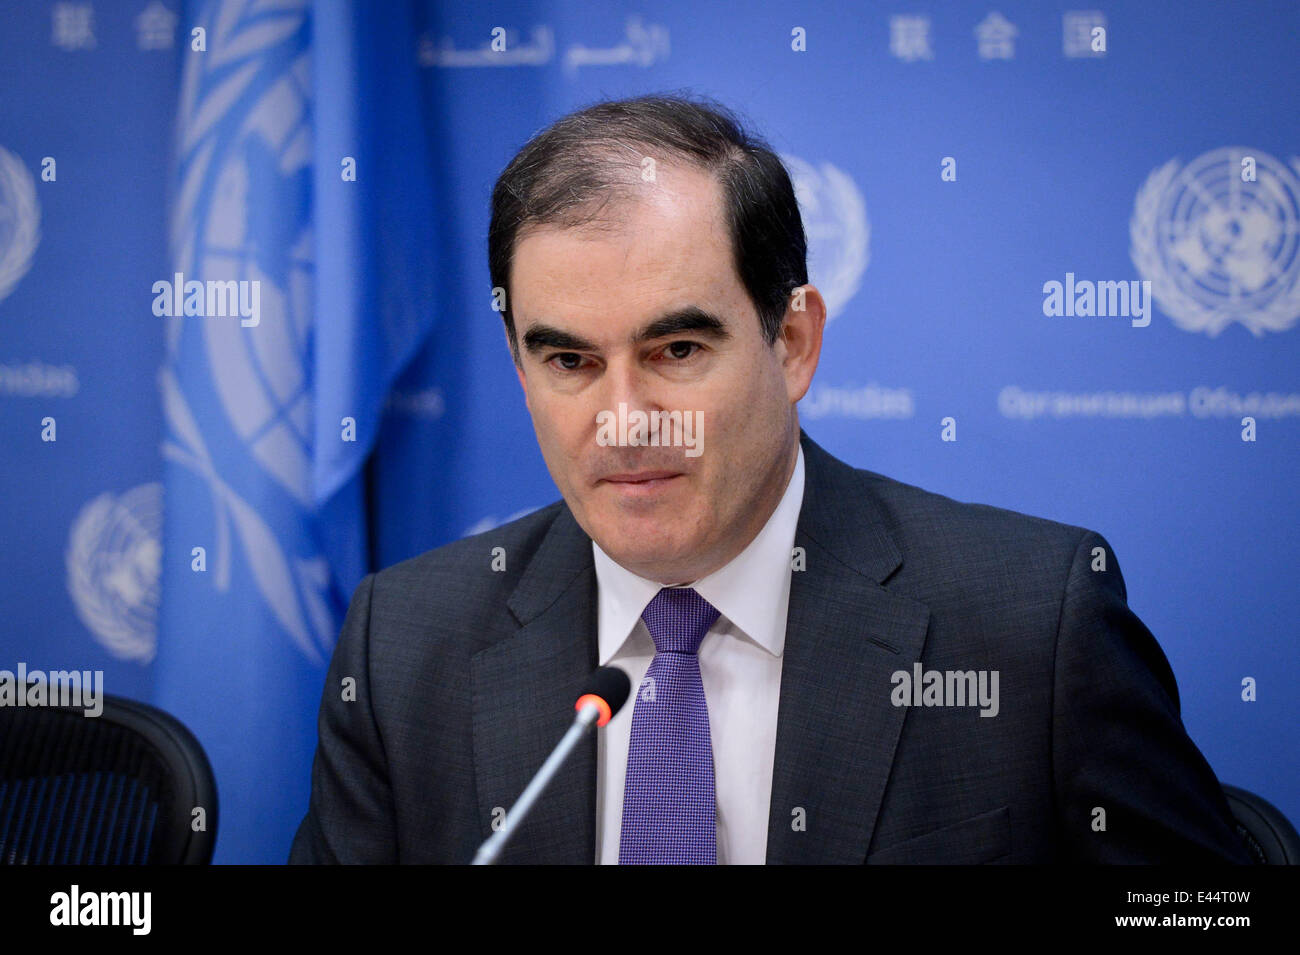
[(288, 318)]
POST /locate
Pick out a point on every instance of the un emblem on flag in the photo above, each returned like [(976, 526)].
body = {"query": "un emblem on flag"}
[(1219, 240), (238, 400), (251, 224), (20, 221)]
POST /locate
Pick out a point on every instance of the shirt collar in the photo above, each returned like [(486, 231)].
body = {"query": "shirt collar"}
[(752, 591)]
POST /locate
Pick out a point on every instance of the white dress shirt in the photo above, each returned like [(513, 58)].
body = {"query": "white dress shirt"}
[(740, 667)]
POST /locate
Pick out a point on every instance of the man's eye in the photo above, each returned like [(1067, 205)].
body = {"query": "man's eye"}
[(681, 350), (566, 361)]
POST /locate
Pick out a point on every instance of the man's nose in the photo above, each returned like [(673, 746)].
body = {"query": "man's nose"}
[(625, 382)]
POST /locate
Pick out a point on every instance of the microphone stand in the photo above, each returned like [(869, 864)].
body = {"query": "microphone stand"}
[(488, 852)]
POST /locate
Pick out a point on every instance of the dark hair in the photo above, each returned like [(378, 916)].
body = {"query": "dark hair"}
[(567, 173)]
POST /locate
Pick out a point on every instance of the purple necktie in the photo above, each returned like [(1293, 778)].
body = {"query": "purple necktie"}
[(669, 809)]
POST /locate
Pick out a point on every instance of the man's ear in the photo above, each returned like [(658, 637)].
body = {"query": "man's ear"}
[(801, 333)]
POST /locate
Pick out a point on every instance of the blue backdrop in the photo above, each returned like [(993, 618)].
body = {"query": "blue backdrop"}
[(188, 501)]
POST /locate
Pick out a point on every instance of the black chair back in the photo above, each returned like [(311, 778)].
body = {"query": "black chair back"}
[(1268, 835), (115, 789)]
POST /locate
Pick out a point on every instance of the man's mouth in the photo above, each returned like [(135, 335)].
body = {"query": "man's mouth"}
[(641, 483)]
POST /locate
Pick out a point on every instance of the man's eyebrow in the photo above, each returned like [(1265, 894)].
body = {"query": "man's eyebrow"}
[(543, 337), (691, 318)]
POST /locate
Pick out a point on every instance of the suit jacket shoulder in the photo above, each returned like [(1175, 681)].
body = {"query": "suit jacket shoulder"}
[(1081, 754)]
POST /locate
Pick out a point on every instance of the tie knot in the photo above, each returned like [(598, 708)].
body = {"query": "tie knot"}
[(678, 618)]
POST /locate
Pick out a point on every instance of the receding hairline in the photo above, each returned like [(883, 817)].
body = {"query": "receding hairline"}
[(599, 209), (603, 211)]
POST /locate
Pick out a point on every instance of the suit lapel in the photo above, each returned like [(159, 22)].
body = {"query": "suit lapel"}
[(523, 693), (845, 636)]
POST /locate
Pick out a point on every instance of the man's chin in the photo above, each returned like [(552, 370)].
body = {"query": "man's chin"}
[(646, 559)]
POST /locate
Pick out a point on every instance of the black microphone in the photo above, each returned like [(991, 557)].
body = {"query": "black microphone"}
[(603, 695)]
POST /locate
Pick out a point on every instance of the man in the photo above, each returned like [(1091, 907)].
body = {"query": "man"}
[(828, 665)]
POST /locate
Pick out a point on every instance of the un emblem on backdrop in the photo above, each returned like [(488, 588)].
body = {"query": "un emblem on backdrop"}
[(1219, 240), (20, 221), (114, 559), (836, 225)]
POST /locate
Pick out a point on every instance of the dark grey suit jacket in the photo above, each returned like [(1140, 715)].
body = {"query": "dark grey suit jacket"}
[(465, 679)]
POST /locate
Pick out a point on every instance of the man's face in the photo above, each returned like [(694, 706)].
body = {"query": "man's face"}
[(651, 314)]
